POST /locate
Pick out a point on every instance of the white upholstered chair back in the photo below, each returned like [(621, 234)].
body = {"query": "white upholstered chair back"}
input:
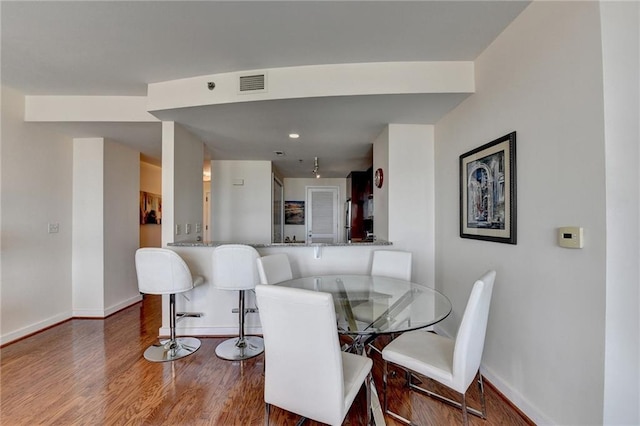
[(469, 344), (392, 264), (234, 267), (274, 268), (162, 271), (303, 361)]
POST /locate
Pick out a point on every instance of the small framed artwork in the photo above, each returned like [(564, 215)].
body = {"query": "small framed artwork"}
[(150, 208), (488, 191), (294, 212)]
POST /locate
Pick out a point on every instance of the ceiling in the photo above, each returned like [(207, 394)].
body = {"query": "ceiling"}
[(117, 48)]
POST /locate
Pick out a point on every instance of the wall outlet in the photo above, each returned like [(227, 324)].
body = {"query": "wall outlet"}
[(178, 230), (54, 228)]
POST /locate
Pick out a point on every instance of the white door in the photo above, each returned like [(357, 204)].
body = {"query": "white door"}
[(322, 214)]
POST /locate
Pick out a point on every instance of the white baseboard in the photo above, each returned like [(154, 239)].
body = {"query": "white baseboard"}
[(515, 398), (121, 305), (103, 313), (34, 328)]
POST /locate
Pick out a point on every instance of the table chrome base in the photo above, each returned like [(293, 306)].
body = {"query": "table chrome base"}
[(168, 350), (236, 349)]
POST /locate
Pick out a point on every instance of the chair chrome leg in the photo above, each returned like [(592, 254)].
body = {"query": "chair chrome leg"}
[(175, 347), (267, 411), (482, 402), (368, 383), (465, 415), (385, 374), (241, 347)]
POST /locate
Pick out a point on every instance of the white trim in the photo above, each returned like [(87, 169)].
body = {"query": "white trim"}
[(103, 313), (122, 305), (34, 328), (515, 398)]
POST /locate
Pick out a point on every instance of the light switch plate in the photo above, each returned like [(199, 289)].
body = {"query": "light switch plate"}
[(570, 237)]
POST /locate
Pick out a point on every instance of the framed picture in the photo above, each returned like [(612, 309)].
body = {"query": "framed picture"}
[(150, 208), (294, 212), (488, 191)]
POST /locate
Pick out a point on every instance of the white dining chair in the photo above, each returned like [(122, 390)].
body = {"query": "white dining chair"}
[(385, 263), (311, 377), (274, 268), (163, 271), (391, 264), (451, 362), (234, 268)]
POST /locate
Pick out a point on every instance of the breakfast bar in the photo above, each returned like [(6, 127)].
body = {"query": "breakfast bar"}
[(216, 306)]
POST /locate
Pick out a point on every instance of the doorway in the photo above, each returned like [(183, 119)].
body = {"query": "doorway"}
[(322, 214)]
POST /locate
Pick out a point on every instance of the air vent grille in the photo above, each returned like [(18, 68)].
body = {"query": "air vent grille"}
[(251, 83)]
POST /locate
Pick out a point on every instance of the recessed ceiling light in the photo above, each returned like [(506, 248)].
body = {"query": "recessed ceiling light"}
[(294, 135)]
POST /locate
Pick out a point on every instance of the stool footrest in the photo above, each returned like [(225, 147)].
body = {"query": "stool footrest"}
[(182, 315), (246, 311)]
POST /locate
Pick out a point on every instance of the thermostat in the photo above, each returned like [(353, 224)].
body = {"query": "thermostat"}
[(570, 237)]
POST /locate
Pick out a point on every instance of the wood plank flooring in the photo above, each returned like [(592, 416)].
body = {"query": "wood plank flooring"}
[(91, 372)]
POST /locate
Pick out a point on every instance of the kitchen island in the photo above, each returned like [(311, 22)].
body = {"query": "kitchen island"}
[(216, 305)]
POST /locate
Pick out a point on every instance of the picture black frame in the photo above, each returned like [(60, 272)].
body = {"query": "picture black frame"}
[(488, 191)]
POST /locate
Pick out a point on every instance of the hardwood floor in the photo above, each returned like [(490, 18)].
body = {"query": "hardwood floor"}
[(91, 372)]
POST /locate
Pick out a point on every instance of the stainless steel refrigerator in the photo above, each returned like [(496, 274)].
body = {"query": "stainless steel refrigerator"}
[(347, 220)]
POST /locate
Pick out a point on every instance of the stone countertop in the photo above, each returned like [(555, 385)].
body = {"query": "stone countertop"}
[(263, 245)]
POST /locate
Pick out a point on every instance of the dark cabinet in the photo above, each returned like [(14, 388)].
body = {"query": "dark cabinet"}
[(359, 209)]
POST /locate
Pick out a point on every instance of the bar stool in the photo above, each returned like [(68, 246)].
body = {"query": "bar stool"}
[(235, 268), (163, 271)]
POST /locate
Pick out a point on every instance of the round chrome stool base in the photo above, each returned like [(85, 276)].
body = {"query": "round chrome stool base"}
[(233, 350), (166, 350)]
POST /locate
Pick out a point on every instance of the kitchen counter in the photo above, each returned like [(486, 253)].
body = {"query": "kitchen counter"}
[(217, 305), (265, 245)]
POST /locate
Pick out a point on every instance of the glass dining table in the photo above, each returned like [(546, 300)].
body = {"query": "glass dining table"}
[(370, 306)]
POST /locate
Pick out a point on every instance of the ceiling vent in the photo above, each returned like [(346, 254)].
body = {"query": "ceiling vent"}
[(253, 83)]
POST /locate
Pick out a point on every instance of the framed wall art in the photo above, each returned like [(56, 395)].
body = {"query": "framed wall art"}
[(488, 191), (294, 212), (150, 208)]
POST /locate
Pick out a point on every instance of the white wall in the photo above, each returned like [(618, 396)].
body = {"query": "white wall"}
[(121, 229), (241, 201), (621, 57), (381, 195), (404, 211), (88, 227), (106, 178), (542, 77), (150, 181), (35, 182), (295, 189), (182, 187), (411, 192)]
